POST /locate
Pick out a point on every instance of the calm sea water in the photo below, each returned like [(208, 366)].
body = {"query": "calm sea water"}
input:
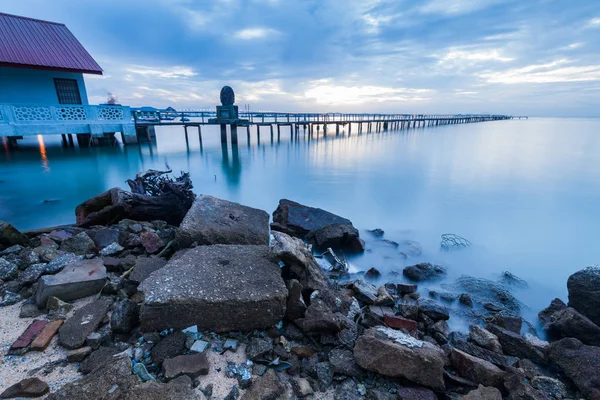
[(524, 192)]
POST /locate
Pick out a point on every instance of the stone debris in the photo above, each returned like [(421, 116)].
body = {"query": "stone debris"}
[(192, 365), (30, 387), (86, 320), (43, 339), (28, 336)]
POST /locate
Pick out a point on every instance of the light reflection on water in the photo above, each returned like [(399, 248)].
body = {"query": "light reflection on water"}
[(524, 192)]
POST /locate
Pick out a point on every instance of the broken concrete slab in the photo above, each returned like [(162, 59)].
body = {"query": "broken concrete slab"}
[(84, 321), (214, 221), (78, 280), (192, 365), (220, 288), (144, 266)]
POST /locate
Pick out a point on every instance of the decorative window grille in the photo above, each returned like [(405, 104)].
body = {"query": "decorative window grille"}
[(67, 91)]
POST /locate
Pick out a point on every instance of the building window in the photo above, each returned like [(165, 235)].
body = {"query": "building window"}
[(67, 91)]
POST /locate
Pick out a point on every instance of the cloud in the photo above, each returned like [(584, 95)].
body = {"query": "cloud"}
[(255, 33), (594, 22), (551, 72), (456, 6), (168, 73), (475, 55), (325, 92)]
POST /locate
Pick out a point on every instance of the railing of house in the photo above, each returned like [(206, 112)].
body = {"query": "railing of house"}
[(29, 114)]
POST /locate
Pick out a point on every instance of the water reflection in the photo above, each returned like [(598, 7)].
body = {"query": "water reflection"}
[(43, 153)]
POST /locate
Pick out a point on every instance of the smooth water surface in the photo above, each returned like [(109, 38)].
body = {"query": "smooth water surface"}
[(525, 192)]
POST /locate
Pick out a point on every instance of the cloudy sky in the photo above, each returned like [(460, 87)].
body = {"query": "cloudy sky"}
[(534, 57)]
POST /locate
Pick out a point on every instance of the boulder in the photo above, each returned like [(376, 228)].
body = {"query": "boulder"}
[(396, 354), (192, 365), (60, 262), (555, 306), (485, 354), (584, 292), (144, 266), (104, 237), (8, 270), (511, 323), (484, 338), (580, 363), (553, 388), (215, 221), (30, 387), (319, 226), (84, 321), (79, 244), (516, 345), (32, 274), (433, 310), (364, 292), (170, 346), (518, 387), (9, 235), (219, 288), (486, 291), (570, 323), (476, 370), (483, 393), (125, 316), (424, 271), (78, 280)]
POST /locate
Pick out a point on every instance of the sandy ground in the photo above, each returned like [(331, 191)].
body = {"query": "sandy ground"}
[(222, 385)]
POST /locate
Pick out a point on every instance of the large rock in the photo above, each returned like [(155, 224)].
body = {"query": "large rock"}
[(10, 236), (8, 270), (485, 354), (177, 389), (570, 323), (555, 306), (30, 387), (584, 292), (78, 244), (192, 365), (320, 319), (144, 266), (424, 271), (483, 393), (267, 387), (84, 321), (216, 221), (78, 280), (477, 370), (170, 346), (485, 339), (219, 288), (580, 363), (97, 358), (323, 228), (125, 316), (396, 354), (516, 345)]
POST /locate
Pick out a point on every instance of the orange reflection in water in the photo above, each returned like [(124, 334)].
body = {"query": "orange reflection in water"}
[(43, 153)]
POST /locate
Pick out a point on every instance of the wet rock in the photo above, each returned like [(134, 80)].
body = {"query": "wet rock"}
[(10, 236), (484, 338), (372, 274), (433, 310), (337, 236), (376, 232), (406, 288), (215, 221), (584, 292), (8, 270), (267, 387), (97, 358), (58, 263), (30, 387), (15, 249), (343, 362), (476, 370), (396, 322), (555, 306), (32, 274), (570, 323), (219, 288), (483, 393), (465, 300), (125, 316), (258, 347), (514, 344), (486, 291), (192, 365), (487, 355), (79, 244), (296, 307), (518, 387), (348, 390), (410, 248), (580, 363), (513, 324), (424, 271), (299, 262), (151, 242), (170, 346), (381, 349), (241, 372), (79, 280), (384, 298), (78, 355), (114, 377), (364, 292), (410, 393), (84, 321), (553, 388)]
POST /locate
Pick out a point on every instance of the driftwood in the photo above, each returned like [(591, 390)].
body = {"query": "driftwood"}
[(153, 197)]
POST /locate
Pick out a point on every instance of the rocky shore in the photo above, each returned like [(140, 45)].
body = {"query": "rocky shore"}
[(222, 307)]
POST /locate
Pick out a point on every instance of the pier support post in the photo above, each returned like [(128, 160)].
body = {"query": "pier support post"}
[(234, 136), (64, 140), (223, 133)]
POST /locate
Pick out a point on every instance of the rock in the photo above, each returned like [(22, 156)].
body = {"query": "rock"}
[(79, 244), (199, 346), (584, 292), (433, 310), (113, 377), (324, 375), (79, 280), (486, 291), (476, 370), (410, 393), (570, 323), (580, 363), (406, 288), (546, 313), (396, 322), (32, 274), (518, 387), (78, 355), (42, 340), (320, 319), (337, 236), (343, 362), (302, 387), (514, 344), (536, 342), (177, 389), (258, 347), (29, 310), (15, 249), (296, 307), (348, 390), (9, 298), (170, 346), (384, 298), (105, 237), (8, 270), (84, 321), (376, 232), (487, 355), (381, 350), (234, 394), (25, 339), (298, 258), (303, 351), (216, 221), (96, 358), (372, 274), (219, 288), (57, 308), (151, 242), (267, 387), (141, 372), (30, 387), (112, 249), (10, 236), (483, 393), (144, 266), (98, 338), (513, 324), (192, 365), (364, 292), (553, 388), (424, 271), (58, 263), (465, 300), (485, 339), (125, 316)]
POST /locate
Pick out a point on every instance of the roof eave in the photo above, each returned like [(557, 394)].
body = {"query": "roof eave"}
[(47, 68)]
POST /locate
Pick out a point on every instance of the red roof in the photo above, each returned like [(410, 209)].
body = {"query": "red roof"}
[(37, 44)]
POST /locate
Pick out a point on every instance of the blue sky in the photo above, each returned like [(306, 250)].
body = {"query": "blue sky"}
[(534, 57)]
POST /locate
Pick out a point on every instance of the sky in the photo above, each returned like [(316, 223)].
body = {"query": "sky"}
[(518, 57)]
